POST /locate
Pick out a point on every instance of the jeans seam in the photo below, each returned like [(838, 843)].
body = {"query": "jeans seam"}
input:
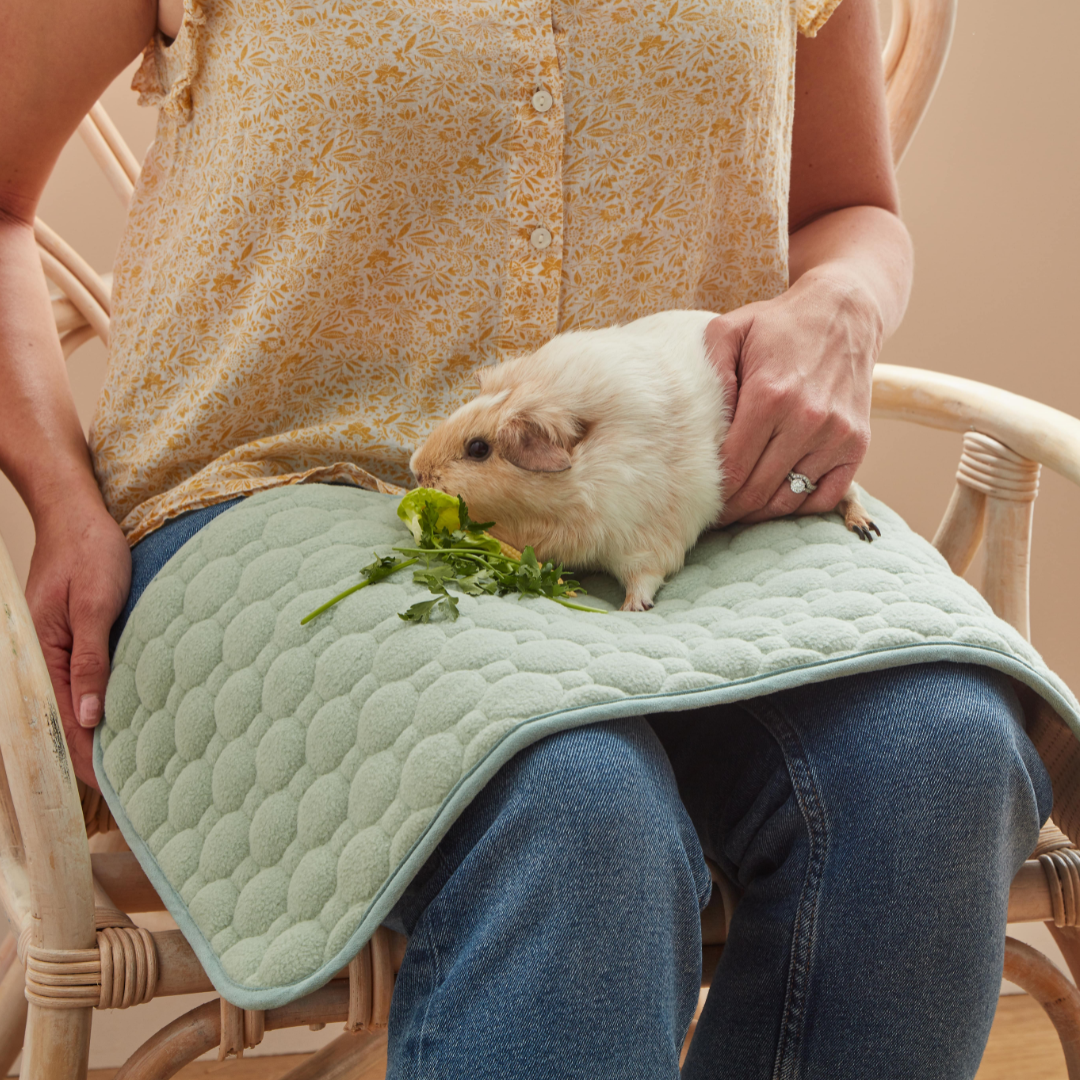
[(436, 979), (803, 938)]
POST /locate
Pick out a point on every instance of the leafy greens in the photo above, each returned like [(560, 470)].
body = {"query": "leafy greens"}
[(450, 549)]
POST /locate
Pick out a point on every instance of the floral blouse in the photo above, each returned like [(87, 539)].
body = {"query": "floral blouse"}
[(351, 206)]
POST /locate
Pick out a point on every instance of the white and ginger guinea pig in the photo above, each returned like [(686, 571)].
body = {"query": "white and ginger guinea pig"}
[(601, 449)]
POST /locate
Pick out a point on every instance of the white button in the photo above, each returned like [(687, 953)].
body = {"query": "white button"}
[(541, 101), (540, 238)]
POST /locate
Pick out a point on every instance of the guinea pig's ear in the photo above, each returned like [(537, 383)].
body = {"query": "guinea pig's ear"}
[(527, 445)]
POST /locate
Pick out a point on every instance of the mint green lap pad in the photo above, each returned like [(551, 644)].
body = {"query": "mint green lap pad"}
[(281, 784)]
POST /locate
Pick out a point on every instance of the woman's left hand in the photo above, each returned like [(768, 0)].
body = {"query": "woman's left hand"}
[(799, 366), (798, 371)]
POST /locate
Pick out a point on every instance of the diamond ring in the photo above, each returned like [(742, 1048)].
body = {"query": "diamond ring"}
[(800, 483)]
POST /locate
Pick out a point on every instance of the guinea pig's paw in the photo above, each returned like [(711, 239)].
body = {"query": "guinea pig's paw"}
[(640, 590), (861, 525), (856, 518)]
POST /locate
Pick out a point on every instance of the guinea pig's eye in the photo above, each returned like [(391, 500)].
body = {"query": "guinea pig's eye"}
[(478, 449)]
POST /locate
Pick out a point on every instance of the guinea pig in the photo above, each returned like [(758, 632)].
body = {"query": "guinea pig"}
[(602, 449)]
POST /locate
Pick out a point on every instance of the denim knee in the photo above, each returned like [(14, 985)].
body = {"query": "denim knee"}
[(609, 788), (593, 808), (563, 903), (558, 931), (941, 762), (984, 770)]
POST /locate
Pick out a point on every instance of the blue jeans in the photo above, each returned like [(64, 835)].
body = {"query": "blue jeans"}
[(873, 824)]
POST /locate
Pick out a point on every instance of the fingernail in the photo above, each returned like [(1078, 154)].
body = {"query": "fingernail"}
[(89, 710)]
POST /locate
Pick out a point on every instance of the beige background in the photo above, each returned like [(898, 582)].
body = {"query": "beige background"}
[(990, 195)]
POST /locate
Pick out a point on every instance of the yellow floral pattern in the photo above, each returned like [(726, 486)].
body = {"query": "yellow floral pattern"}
[(350, 207)]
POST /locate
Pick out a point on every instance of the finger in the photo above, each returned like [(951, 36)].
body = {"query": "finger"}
[(832, 487), (746, 436), (91, 612), (818, 468), (80, 742), (55, 639), (767, 491), (749, 442), (725, 336)]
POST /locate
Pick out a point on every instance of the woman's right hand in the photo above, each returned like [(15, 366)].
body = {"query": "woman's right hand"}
[(79, 578)]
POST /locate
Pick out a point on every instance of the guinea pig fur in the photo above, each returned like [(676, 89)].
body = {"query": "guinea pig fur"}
[(601, 449)]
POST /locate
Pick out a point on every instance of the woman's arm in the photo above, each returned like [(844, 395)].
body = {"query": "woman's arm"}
[(57, 57), (801, 364)]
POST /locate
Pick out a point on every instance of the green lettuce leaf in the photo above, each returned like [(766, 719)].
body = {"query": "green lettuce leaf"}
[(429, 514)]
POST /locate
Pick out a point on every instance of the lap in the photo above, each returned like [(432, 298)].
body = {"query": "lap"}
[(596, 804), (911, 739), (873, 730), (884, 756)]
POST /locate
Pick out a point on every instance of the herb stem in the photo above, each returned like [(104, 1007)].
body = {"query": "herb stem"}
[(355, 588), (472, 551), (480, 560), (579, 607)]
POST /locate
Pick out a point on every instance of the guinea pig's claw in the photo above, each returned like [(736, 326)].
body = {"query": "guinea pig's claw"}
[(862, 530), (856, 518)]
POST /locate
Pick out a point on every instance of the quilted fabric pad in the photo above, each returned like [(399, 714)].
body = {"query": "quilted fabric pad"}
[(281, 784)]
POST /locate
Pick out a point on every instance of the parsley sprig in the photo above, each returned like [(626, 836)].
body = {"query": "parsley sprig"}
[(452, 550)]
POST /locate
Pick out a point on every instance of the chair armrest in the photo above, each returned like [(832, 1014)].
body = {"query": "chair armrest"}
[(914, 58), (1038, 432), (46, 838)]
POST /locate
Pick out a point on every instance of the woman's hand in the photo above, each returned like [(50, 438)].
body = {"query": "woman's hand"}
[(798, 371), (78, 582)]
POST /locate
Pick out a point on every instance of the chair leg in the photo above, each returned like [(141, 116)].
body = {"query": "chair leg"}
[(1068, 941), (165, 1053), (57, 1044), (348, 1057), (12, 1015), (356, 1057), (1030, 970)]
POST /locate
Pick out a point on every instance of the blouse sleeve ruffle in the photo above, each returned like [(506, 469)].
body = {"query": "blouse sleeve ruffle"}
[(814, 14), (168, 69)]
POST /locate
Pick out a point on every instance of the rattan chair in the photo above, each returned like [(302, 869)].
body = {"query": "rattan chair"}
[(74, 948)]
